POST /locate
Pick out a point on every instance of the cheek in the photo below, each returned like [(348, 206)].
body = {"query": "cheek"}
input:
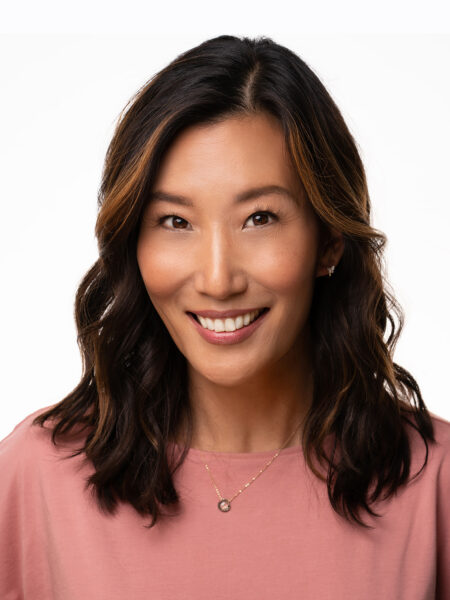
[(161, 268), (283, 264), (286, 267)]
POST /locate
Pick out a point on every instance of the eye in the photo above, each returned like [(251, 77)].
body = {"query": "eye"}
[(176, 219), (178, 222), (265, 213)]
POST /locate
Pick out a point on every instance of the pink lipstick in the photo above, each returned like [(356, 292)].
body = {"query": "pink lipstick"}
[(229, 337)]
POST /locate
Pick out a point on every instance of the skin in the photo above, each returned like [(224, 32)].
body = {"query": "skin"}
[(218, 254)]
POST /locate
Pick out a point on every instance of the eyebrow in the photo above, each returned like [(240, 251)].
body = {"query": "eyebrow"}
[(250, 194)]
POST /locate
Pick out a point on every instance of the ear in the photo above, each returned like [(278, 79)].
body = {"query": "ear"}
[(330, 251)]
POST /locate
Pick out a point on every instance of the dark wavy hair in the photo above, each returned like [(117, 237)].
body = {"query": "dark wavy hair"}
[(132, 396)]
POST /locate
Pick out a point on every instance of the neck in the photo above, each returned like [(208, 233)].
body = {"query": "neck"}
[(263, 414)]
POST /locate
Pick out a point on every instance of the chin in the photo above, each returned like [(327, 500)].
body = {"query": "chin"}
[(223, 375)]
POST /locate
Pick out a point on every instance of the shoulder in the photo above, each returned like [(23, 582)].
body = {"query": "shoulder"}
[(28, 449), (441, 449), (441, 431), (21, 454), (440, 461), (441, 423), (19, 439), (33, 468), (436, 472), (441, 428)]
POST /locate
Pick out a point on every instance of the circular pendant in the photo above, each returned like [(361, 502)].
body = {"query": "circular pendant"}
[(224, 505)]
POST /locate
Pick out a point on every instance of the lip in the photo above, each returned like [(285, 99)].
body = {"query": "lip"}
[(217, 314), (228, 337)]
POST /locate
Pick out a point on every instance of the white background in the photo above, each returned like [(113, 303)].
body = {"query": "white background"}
[(67, 70)]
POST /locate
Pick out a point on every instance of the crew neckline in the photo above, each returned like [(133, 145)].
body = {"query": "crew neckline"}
[(202, 455)]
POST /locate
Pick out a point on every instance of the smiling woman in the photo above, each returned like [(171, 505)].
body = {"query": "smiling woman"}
[(225, 252), (234, 361)]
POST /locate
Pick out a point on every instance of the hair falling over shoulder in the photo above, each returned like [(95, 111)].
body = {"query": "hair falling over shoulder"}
[(131, 398)]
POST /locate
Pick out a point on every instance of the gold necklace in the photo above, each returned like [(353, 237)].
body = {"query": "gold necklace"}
[(224, 504)]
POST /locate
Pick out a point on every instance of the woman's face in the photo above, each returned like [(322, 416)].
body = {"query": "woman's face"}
[(224, 248)]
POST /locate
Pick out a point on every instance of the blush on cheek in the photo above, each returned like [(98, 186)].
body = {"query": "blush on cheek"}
[(283, 271), (159, 283), (162, 272)]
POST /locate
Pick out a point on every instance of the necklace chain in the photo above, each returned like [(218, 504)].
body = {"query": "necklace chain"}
[(224, 504)]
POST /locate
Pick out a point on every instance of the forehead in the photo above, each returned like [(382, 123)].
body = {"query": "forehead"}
[(236, 153)]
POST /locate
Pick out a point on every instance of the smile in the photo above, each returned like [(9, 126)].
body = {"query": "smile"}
[(229, 323), (228, 330)]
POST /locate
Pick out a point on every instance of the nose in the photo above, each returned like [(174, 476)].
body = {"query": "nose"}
[(220, 267)]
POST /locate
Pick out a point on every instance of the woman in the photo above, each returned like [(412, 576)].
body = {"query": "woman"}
[(240, 429)]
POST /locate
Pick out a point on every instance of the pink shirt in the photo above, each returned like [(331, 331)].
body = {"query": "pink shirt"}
[(281, 540)]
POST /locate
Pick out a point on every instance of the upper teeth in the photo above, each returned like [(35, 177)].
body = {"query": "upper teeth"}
[(229, 324)]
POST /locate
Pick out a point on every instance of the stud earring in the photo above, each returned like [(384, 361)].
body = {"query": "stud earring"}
[(331, 270)]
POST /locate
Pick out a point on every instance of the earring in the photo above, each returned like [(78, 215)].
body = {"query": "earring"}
[(331, 270)]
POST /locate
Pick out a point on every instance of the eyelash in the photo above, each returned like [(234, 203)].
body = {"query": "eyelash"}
[(258, 211)]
